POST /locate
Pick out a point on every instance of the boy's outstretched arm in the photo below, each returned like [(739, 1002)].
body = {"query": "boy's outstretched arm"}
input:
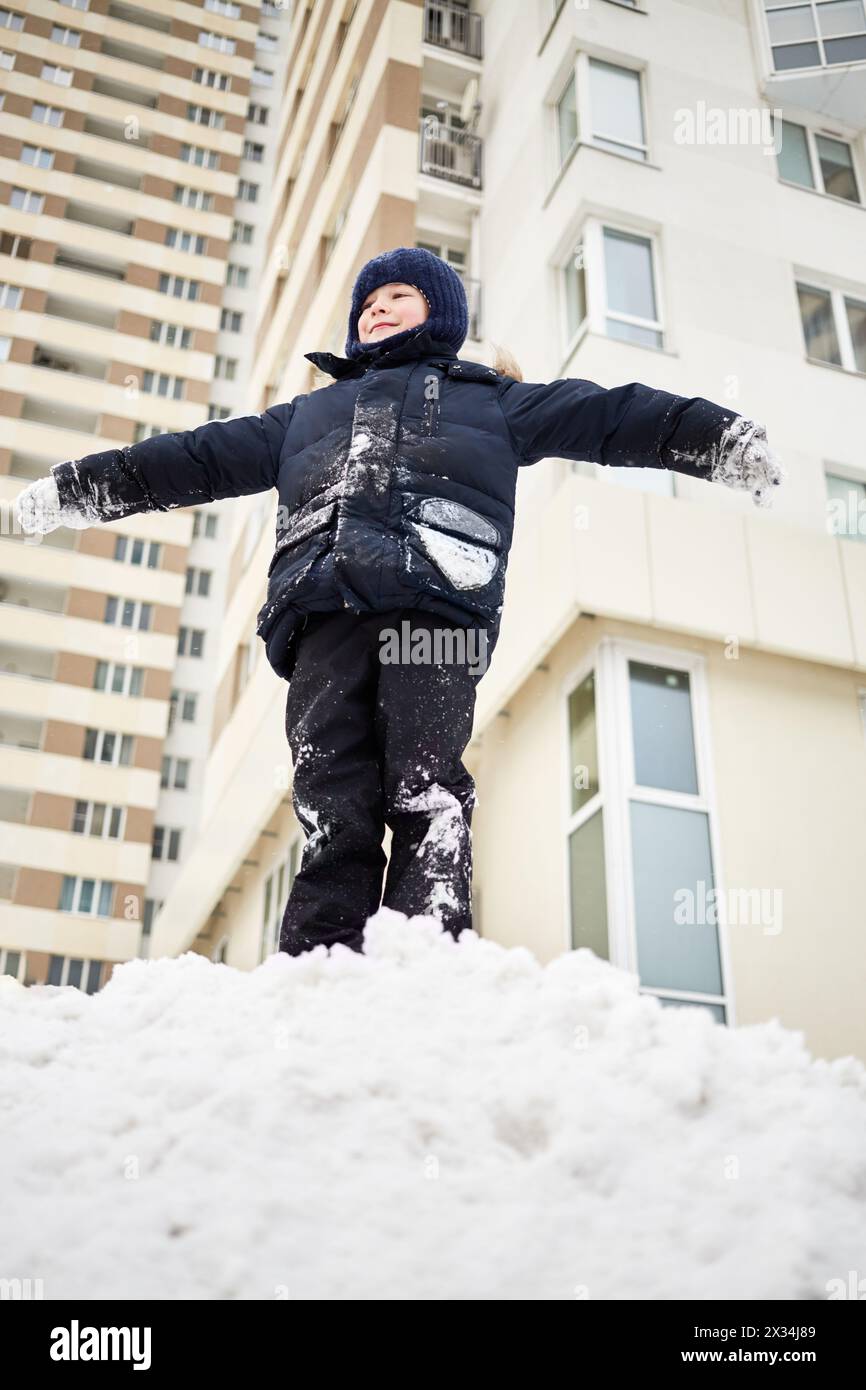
[(638, 426), (220, 458)]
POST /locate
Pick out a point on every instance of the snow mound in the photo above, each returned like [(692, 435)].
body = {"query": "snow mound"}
[(433, 1119)]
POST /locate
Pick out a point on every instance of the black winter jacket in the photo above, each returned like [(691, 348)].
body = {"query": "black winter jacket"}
[(396, 482)]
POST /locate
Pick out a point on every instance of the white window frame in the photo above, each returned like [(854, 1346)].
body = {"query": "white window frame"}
[(261, 77), (197, 198), (78, 881), (275, 893), (49, 113), (168, 332), (838, 295), (220, 43), (5, 953), (846, 474), (591, 236), (138, 609), (120, 741), (10, 295), (811, 133), (26, 201), (609, 660), (586, 135), (135, 550), (152, 384), (169, 836), (86, 961), (209, 77), (5, 347), (66, 37), (169, 770), (223, 7), (763, 29), (8, 20), (128, 675), (191, 243), (169, 283), (110, 808), (42, 158), (61, 77), (185, 636)]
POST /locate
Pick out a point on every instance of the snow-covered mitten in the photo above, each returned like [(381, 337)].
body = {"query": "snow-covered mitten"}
[(39, 511), (745, 460)]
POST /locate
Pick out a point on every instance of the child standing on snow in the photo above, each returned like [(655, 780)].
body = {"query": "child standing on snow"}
[(396, 488)]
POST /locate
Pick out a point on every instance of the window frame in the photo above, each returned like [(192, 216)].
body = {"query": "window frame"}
[(609, 658), (844, 339), (812, 133)]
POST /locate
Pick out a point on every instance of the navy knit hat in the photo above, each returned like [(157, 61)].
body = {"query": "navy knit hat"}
[(448, 317)]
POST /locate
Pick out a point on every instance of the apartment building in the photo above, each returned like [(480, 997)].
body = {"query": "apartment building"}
[(131, 199), (664, 192)]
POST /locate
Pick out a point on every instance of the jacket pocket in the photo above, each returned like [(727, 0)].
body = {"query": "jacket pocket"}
[(463, 545), (305, 523)]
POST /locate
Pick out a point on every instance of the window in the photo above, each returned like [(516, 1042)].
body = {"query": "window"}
[(817, 161), (198, 581), (220, 42), (70, 37), (834, 327), (13, 963), (220, 81), (103, 746), (134, 551), (127, 612), (225, 367), (11, 19), (113, 676), (631, 312), (144, 431), (62, 77), (617, 110), (175, 773), (179, 286), (237, 275), (76, 4), (205, 524), (25, 200), (10, 296), (640, 830), (815, 33), (218, 412), (231, 320), (254, 151), (846, 506), (566, 119), (185, 241), (196, 154), (37, 156), (19, 246), (161, 384), (5, 348), (95, 818), (261, 77), (7, 59), (242, 231), (205, 115), (170, 334), (46, 115), (267, 42), (223, 7), (275, 893), (63, 970), (574, 295), (249, 192), (184, 702), (190, 641), (166, 843), (257, 114), (193, 198)]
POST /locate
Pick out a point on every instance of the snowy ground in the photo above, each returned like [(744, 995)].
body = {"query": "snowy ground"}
[(431, 1120)]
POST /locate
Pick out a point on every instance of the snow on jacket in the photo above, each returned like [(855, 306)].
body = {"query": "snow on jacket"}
[(396, 482)]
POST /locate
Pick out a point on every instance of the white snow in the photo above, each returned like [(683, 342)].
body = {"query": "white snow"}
[(432, 1119), (467, 566)]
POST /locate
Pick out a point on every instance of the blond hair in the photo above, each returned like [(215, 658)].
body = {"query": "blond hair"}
[(505, 363)]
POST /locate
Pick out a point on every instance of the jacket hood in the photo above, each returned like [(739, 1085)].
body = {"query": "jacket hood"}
[(414, 342)]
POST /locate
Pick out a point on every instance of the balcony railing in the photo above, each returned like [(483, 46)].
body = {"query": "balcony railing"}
[(454, 26), (448, 153)]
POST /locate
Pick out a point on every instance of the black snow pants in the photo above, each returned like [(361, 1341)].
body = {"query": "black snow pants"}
[(374, 743)]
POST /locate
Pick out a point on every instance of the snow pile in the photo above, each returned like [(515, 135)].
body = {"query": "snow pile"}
[(430, 1120)]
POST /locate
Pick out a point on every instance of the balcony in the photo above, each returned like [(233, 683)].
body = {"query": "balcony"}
[(815, 56), (448, 153), (454, 26), (77, 364)]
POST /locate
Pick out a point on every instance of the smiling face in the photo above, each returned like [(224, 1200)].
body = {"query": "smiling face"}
[(390, 309)]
